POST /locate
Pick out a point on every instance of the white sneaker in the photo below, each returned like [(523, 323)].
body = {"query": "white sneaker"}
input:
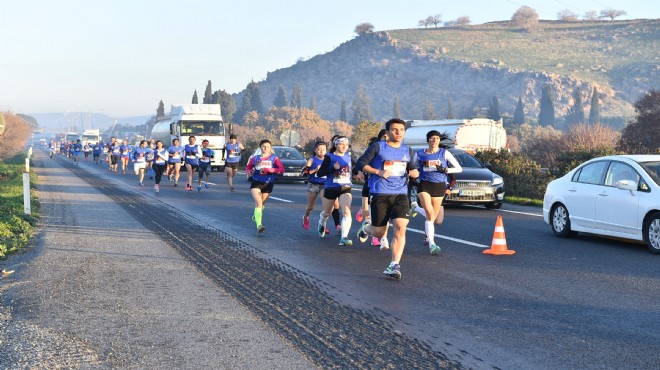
[(384, 244)]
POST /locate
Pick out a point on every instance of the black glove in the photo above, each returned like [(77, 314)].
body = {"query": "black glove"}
[(441, 169)]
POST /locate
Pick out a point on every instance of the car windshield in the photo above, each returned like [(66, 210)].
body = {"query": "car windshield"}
[(288, 153), (201, 127), (653, 169), (466, 160)]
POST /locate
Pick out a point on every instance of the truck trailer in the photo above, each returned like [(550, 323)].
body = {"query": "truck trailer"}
[(470, 135), (203, 121)]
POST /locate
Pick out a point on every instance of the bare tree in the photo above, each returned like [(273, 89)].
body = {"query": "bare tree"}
[(435, 19), (463, 21), (590, 15), (364, 28), (526, 18), (424, 22), (451, 24), (612, 13), (567, 15)]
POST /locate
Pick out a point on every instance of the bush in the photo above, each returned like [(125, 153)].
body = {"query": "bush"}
[(570, 159), (522, 177)]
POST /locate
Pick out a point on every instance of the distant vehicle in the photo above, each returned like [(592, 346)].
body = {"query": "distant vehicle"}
[(615, 196), (476, 184), (204, 121), (291, 159), (90, 137), (71, 136), (468, 134)]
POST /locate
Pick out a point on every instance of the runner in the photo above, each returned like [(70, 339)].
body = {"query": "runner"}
[(363, 213), (233, 151), (160, 163), (263, 169), (191, 154), (77, 150), (97, 149), (149, 159), (175, 153), (338, 167), (435, 163), (125, 150), (388, 163), (51, 148), (114, 150), (140, 160), (87, 149), (315, 184), (205, 165)]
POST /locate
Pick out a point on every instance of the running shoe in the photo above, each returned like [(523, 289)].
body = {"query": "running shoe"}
[(170, 178), (434, 249), (199, 188), (151, 177), (393, 271), (140, 183), (375, 241), (327, 231), (261, 229), (384, 244), (206, 185), (156, 188), (322, 230), (188, 187), (345, 241), (358, 216), (176, 183), (231, 188), (305, 223), (426, 240), (338, 227), (361, 234), (412, 212)]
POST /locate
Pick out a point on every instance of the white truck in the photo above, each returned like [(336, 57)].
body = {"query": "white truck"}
[(203, 121), (90, 137), (468, 134), (71, 137)]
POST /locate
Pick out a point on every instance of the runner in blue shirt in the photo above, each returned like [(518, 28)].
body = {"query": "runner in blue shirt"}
[(125, 150), (191, 155), (205, 165), (140, 160), (97, 149), (77, 150), (175, 153), (233, 151), (315, 183), (160, 163)]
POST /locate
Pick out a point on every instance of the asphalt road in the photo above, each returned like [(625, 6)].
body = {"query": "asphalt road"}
[(587, 302)]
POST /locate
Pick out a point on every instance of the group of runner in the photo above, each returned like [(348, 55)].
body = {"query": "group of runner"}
[(388, 168)]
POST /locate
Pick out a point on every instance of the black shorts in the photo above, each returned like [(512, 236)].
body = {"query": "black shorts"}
[(334, 193), (265, 188), (204, 169), (434, 189), (194, 167), (232, 165), (388, 207), (96, 156), (114, 159)]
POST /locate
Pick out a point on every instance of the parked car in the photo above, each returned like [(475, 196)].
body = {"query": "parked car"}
[(291, 159), (476, 184), (615, 196)]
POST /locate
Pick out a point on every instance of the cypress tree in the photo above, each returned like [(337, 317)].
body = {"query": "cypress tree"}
[(208, 93), (160, 112), (343, 115), (255, 97), (312, 104), (280, 99), (227, 104), (194, 98), (429, 111), (547, 107), (296, 97), (361, 107), (576, 112), (395, 110), (494, 109), (519, 115), (594, 113), (450, 110)]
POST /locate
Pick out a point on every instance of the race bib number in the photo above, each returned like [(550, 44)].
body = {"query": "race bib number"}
[(430, 166), (176, 155), (342, 176), (396, 168), (264, 164), (234, 153)]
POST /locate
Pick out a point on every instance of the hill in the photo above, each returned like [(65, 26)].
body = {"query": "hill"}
[(470, 65)]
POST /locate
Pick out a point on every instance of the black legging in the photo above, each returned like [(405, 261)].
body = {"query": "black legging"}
[(159, 169)]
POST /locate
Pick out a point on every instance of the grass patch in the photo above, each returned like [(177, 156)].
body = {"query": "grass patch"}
[(524, 201), (15, 226)]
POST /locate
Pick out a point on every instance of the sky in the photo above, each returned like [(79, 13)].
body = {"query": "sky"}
[(121, 57)]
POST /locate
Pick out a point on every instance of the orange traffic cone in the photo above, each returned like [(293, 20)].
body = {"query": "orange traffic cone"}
[(498, 246)]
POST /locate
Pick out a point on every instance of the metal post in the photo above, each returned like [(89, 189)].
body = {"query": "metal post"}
[(27, 165), (26, 193)]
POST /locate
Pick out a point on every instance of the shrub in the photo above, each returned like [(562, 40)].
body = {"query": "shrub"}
[(522, 176)]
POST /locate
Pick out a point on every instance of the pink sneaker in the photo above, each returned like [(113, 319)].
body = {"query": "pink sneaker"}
[(375, 241), (358, 216), (305, 223), (327, 232)]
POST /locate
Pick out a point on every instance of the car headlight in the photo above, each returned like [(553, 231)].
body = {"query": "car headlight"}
[(497, 180)]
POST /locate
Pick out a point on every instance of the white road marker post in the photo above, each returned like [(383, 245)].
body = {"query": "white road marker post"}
[(26, 193)]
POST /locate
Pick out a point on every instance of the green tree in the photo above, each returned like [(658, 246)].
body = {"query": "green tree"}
[(312, 103), (160, 112), (450, 110), (362, 132), (519, 114), (297, 97), (343, 114), (494, 109), (227, 104), (255, 97), (594, 112), (429, 111), (194, 98), (361, 107), (208, 93), (395, 111), (576, 111), (280, 99), (547, 107), (642, 135)]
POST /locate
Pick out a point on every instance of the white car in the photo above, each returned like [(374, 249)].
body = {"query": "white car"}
[(616, 196)]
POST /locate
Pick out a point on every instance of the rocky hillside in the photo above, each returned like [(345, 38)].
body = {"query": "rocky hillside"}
[(471, 65)]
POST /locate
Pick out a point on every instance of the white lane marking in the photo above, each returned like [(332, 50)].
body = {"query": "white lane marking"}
[(521, 213), (451, 239), (210, 183), (281, 200)]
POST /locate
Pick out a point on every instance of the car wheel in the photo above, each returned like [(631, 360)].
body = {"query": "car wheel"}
[(652, 233), (493, 205), (560, 221)]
